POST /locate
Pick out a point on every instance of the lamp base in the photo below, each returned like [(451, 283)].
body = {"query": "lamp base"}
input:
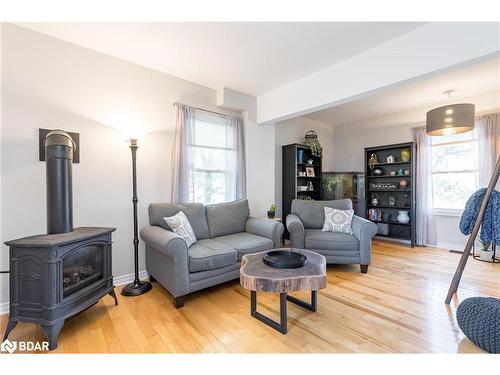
[(136, 288)]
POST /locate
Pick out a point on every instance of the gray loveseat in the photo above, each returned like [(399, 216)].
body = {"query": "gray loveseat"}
[(306, 221), (224, 232)]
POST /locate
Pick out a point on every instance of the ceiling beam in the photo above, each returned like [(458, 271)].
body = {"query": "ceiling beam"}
[(428, 50)]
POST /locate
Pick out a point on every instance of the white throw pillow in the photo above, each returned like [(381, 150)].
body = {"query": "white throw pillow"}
[(180, 225), (338, 220)]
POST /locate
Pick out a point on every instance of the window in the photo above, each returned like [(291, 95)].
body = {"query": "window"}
[(212, 166), (454, 171)]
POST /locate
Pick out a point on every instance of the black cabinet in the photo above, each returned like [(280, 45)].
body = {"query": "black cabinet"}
[(390, 190), (342, 185), (301, 176)]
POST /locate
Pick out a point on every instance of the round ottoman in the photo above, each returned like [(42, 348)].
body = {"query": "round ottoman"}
[(479, 320)]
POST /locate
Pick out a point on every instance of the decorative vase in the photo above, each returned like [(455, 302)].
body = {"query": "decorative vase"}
[(378, 172), (485, 255), (405, 154), (271, 214), (300, 156), (403, 217), (372, 161), (403, 184)]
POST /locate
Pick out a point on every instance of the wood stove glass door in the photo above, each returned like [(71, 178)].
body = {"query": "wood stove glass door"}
[(82, 268)]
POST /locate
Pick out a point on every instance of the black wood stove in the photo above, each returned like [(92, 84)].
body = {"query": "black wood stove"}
[(57, 275)]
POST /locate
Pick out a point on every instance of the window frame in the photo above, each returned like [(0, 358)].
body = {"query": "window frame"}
[(442, 211), (207, 117)]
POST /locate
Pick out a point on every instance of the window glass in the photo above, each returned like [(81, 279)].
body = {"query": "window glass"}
[(454, 170), (212, 169)]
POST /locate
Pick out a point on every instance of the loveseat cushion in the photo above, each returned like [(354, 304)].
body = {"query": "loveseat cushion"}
[(227, 218), (319, 240), (209, 254), (246, 243), (312, 213), (195, 213)]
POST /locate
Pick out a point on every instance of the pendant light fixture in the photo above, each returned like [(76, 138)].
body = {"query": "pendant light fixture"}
[(450, 119)]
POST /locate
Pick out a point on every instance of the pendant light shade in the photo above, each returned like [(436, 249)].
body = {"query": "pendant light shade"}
[(450, 119)]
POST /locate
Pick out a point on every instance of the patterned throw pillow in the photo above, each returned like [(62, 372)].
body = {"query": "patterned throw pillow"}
[(338, 220), (180, 225)]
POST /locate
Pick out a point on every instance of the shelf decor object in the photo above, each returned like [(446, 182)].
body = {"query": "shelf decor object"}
[(296, 182), (394, 190)]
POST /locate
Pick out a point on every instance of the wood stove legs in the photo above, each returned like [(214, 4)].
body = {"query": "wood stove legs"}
[(52, 332), (113, 294), (10, 326)]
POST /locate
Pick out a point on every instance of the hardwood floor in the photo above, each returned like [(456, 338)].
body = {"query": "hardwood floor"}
[(398, 307)]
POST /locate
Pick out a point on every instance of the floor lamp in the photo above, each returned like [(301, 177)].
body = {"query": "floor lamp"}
[(137, 287)]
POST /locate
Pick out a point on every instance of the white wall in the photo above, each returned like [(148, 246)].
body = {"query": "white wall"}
[(48, 83), (293, 131), (350, 140), (425, 51), (259, 149)]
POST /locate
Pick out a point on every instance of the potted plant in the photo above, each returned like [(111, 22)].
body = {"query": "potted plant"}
[(271, 213), (486, 253)]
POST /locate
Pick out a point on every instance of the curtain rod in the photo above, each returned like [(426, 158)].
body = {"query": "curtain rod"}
[(205, 110)]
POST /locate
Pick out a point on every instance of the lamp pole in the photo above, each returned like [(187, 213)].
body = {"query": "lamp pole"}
[(137, 287)]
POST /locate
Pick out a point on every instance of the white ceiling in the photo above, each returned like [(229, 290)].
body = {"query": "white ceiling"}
[(249, 57), (467, 82)]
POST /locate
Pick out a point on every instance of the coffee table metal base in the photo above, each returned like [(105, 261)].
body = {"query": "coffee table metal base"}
[(282, 325)]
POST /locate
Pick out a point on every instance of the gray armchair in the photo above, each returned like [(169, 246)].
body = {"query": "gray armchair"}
[(306, 221)]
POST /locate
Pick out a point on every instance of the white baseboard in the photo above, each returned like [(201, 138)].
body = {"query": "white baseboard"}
[(4, 308), (125, 279), (118, 280), (392, 239), (450, 246)]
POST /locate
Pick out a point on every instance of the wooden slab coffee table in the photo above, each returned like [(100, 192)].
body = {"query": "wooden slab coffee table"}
[(257, 276)]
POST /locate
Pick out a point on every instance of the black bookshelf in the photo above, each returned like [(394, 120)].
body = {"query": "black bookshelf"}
[(387, 189), (291, 181)]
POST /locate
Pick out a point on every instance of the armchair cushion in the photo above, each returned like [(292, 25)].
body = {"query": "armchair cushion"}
[(338, 220), (311, 213), (210, 254), (246, 243), (227, 218), (317, 239), (180, 225), (195, 213), (270, 229)]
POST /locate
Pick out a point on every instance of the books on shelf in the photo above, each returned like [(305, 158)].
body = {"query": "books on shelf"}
[(374, 214)]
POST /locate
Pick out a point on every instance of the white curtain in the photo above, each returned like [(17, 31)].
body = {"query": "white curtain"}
[(183, 156), (488, 147), (425, 225), (239, 185), (184, 122)]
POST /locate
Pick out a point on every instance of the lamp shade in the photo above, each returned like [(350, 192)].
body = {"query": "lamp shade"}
[(450, 119)]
